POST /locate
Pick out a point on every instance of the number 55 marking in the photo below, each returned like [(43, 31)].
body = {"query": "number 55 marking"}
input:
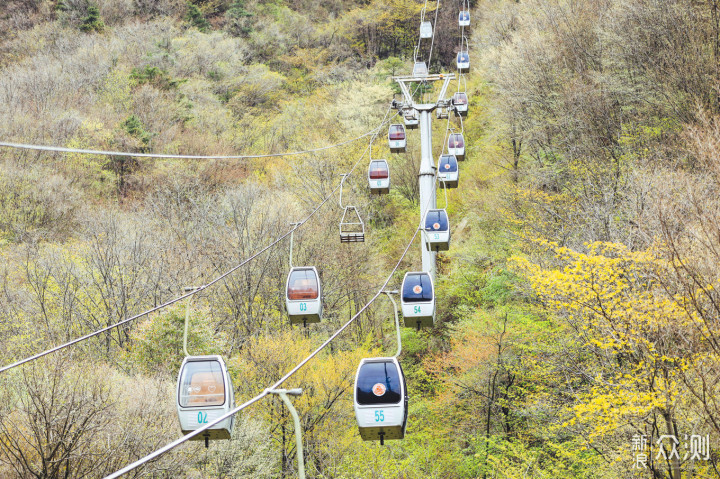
[(379, 416)]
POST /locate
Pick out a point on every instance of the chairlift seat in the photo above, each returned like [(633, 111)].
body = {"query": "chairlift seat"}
[(351, 231)]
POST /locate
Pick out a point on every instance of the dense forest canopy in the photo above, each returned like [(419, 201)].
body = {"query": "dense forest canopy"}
[(578, 321)]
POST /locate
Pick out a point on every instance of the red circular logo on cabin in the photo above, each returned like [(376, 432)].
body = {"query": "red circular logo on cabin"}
[(436, 226), (417, 289), (447, 166), (379, 389)]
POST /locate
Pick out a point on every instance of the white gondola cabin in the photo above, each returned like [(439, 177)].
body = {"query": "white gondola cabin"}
[(460, 102), (456, 145), (464, 18), (379, 177), (426, 30), (420, 69), (303, 295), (463, 61), (352, 227), (204, 393), (410, 117), (437, 230), (418, 300), (381, 399), (448, 171), (396, 138)]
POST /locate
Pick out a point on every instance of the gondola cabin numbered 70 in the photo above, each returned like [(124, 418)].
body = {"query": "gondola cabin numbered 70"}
[(381, 399), (418, 300), (303, 299), (205, 393)]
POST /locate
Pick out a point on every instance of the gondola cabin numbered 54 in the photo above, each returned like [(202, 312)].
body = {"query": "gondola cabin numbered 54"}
[(205, 393), (418, 300)]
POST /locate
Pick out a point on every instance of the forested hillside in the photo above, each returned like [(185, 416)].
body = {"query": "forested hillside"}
[(578, 313)]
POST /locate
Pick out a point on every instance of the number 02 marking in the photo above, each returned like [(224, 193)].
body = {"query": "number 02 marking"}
[(202, 417)]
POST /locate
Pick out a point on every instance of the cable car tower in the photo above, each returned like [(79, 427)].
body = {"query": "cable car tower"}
[(426, 177)]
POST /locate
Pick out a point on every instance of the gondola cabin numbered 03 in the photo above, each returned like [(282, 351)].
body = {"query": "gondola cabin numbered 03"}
[(205, 393), (418, 300), (381, 399), (303, 299)]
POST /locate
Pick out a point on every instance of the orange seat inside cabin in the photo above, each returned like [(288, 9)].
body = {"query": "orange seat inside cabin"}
[(211, 390), (303, 289)]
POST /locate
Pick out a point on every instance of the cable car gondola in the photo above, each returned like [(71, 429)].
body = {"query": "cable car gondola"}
[(396, 138), (464, 18), (456, 145), (303, 295), (437, 230), (379, 177), (420, 69), (460, 102), (411, 119), (418, 300), (463, 61), (426, 30), (204, 393), (381, 399), (448, 171)]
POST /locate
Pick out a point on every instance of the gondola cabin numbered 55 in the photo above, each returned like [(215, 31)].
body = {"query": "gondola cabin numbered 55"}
[(381, 399), (205, 393)]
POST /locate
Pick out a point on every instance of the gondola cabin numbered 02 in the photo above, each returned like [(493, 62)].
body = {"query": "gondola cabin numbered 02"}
[(205, 393), (381, 399), (418, 300)]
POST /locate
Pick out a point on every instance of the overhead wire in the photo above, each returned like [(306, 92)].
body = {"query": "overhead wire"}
[(203, 287), (59, 149)]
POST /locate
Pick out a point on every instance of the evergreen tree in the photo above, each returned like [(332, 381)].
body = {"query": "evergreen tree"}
[(196, 18), (92, 22)]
